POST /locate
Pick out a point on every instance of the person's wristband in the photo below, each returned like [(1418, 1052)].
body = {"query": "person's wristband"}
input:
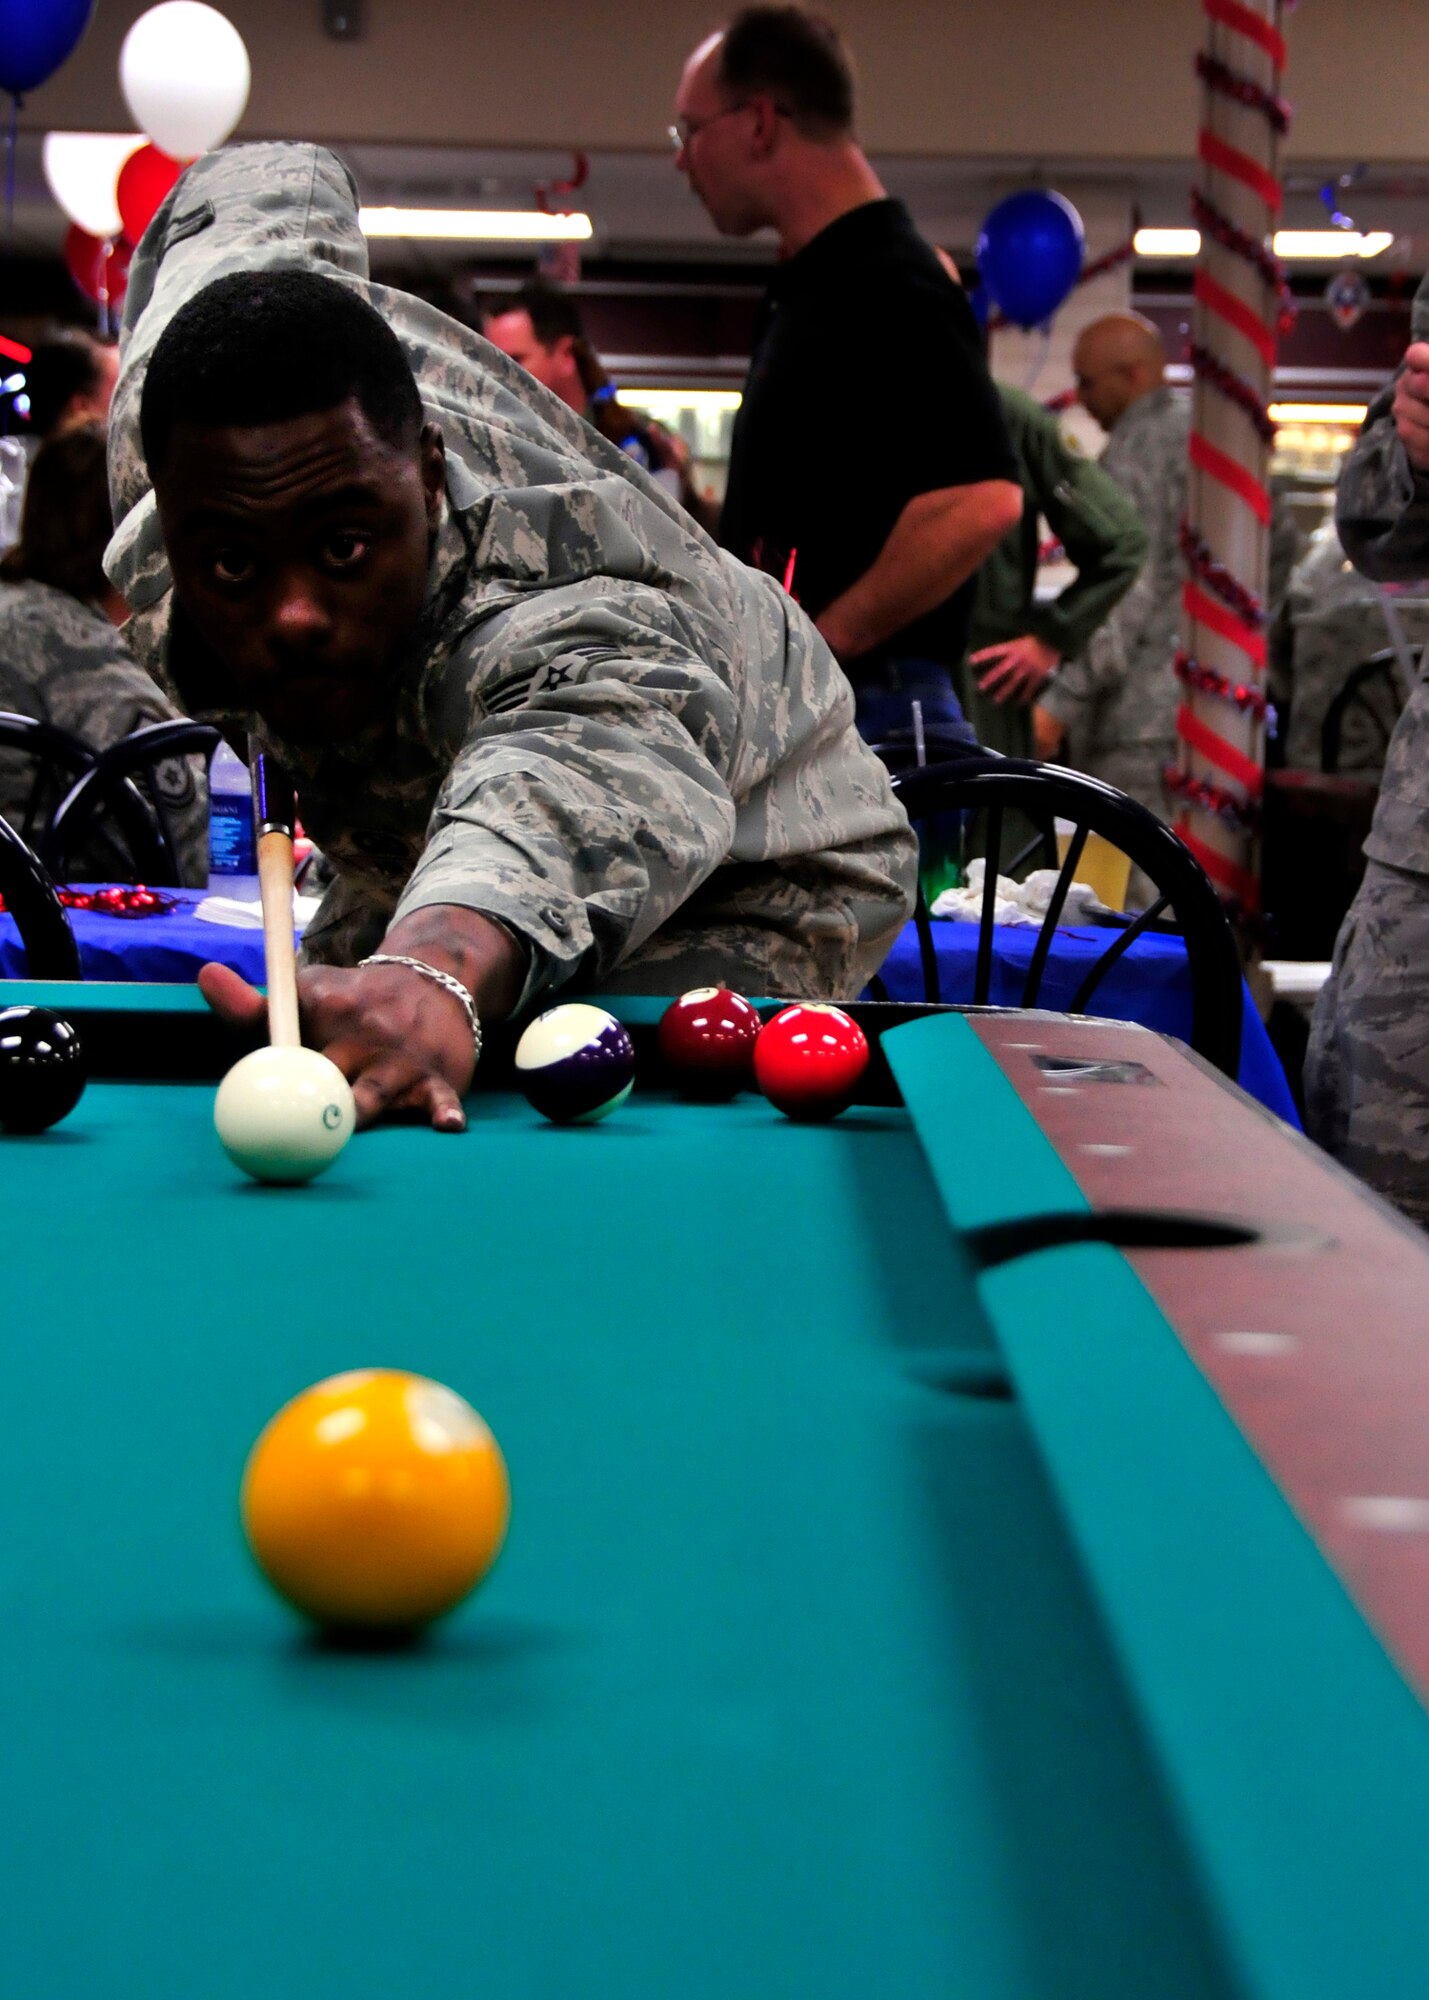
[(448, 982)]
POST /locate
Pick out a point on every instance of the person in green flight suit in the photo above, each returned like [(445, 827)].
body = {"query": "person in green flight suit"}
[(1016, 644)]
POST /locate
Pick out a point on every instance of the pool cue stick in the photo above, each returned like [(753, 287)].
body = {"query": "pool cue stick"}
[(274, 816)]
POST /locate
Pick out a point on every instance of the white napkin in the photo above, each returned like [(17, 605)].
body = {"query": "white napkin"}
[(1017, 903), (243, 915)]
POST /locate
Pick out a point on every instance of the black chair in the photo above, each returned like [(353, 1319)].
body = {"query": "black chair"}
[(991, 789), (57, 757), (110, 793), (29, 895), (1354, 737)]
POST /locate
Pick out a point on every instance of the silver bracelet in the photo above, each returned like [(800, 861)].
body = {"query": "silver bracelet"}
[(446, 980)]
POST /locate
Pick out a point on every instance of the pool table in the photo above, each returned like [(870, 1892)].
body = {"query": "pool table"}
[(977, 1547)]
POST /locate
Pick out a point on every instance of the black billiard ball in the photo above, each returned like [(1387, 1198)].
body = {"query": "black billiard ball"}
[(42, 1074)]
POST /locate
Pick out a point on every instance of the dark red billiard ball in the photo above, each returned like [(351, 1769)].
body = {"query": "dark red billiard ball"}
[(707, 1041), (808, 1060)]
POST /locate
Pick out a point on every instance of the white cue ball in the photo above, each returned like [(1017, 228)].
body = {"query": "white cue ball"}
[(284, 1115)]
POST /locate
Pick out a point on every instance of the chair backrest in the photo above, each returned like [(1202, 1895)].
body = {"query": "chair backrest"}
[(29, 895), (111, 786), (1359, 722), (57, 759), (995, 787)]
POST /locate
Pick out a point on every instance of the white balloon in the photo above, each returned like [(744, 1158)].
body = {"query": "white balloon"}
[(185, 76), (82, 169)]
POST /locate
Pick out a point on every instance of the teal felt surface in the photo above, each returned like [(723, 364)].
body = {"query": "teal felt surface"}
[(1298, 1758), (96, 996), (983, 1147), (786, 1685)]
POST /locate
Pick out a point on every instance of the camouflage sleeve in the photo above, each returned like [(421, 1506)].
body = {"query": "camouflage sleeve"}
[(591, 806), (1381, 503)]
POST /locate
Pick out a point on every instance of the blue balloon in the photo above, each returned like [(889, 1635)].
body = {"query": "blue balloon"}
[(35, 38), (1029, 255)]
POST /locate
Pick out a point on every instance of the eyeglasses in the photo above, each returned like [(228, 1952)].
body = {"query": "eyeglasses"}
[(685, 129)]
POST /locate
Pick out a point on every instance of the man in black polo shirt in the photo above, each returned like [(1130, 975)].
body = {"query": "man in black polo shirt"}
[(871, 470)]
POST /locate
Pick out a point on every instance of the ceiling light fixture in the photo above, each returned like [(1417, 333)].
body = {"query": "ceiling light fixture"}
[(1348, 414), (1327, 244), (1331, 243), (1166, 242), (475, 225)]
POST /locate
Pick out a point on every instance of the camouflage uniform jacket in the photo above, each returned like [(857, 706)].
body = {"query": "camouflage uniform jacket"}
[(606, 734), (1123, 690), (63, 662), (1382, 513)]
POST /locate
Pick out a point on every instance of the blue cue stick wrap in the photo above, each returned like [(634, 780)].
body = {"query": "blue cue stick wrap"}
[(275, 804)]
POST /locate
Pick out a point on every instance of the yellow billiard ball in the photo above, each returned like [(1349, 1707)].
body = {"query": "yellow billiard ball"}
[(375, 1499)]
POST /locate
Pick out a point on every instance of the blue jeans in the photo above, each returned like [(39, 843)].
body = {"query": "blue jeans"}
[(884, 695)]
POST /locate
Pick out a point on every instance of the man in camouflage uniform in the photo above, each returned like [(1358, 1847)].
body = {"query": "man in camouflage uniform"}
[(1112, 712), (1332, 621), (1016, 644), (610, 754), (64, 662), (1367, 1072)]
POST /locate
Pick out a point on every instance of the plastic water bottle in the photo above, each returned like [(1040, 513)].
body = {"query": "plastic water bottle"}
[(232, 850)]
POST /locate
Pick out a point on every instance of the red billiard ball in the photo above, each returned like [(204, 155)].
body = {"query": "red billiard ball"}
[(808, 1060), (707, 1041)]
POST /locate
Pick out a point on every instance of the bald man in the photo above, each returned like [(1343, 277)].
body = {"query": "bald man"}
[(1113, 712)]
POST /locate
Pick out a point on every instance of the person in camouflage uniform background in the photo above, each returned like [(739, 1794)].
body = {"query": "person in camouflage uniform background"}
[(1367, 1071), (1112, 712), (623, 748), (1331, 621), (1016, 644), (63, 661)]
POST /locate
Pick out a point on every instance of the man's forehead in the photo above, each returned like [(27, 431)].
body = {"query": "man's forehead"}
[(698, 79), (514, 324), (304, 455)]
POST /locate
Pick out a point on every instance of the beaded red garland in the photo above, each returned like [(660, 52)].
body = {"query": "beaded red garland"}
[(136, 902), (1206, 680)]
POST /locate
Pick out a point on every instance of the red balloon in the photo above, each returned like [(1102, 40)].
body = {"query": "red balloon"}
[(144, 179), (101, 270)]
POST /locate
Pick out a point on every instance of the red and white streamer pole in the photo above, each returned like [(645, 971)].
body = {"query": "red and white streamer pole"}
[(1241, 302)]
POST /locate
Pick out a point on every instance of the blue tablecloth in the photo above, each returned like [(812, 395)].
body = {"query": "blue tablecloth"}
[(1148, 985)]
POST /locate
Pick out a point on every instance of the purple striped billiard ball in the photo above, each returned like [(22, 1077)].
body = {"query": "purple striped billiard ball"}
[(575, 1064)]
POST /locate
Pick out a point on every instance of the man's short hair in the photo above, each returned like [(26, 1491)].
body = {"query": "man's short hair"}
[(263, 347), (61, 366), (798, 59), (554, 314)]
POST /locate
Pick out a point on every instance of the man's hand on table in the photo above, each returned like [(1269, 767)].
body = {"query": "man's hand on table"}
[(400, 1039), (1016, 669), (1411, 405)]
